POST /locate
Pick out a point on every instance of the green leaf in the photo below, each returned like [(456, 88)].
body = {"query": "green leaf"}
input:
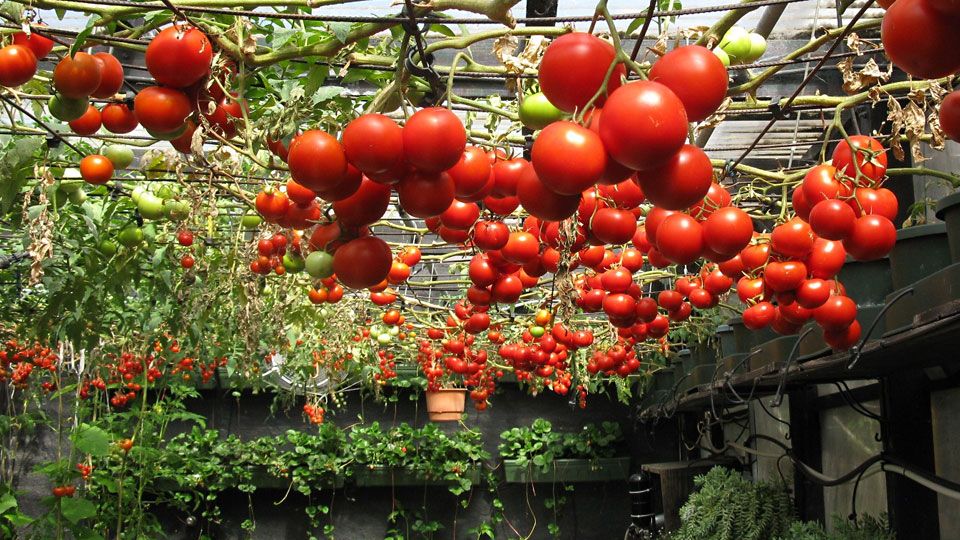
[(7, 502), (82, 37), (92, 440), (282, 36), (442, 29), (315, 77), (327, 92), (75, 509), (340, 30), (635, 25)]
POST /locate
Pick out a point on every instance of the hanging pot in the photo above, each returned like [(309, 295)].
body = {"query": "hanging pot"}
[(446, 405), (919, 252), (948, 209)]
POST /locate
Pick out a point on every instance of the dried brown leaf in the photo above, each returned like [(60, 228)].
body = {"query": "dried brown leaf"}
[(855, 81), (716, 118), (895, 116)]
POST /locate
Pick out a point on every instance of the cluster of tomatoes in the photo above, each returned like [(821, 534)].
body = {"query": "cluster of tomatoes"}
[(400, 269), (617, 360), (456, 356), (18, 360), (314, 413), (63, 491), (387, 364), (185, 239)]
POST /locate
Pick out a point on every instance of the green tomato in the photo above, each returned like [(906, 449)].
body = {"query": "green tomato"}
[(67, 109), (130, 236), (293, 262), (166, 191), (319, 264), (121, 156), (536, 111), (758, 46), (168, 136), (722, 55), (324, 313), (176, 210), (537, 331), (736, 43), (108, 248), (250, 221), (384, 338), (77, 197), (137, 192), (394, 330), (150, 206), (375, 331)]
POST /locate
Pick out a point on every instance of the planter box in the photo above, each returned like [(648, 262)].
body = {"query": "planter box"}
[(747, 339), (703, 374), (773, 353), (698, 356), (948, 209), (728, 344), (261, 478), (919, 252), (867, 282), (733, 363), (934, 290), (385, 477), (569, 471)]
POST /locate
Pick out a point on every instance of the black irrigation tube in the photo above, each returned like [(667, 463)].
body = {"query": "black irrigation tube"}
[(435, 20)]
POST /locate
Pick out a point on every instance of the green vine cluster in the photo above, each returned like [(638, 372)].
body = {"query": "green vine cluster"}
[(539, 445), (728, 506)]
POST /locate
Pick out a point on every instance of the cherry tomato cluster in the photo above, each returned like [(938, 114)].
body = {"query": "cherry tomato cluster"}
[(18, 360), (457, 356), (400, 270), (314, 413), (329, 291), (63, 491), (617, 360), (185, 239), (84, 470)]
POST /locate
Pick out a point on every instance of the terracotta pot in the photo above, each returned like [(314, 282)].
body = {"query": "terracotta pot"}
[(446, 405)]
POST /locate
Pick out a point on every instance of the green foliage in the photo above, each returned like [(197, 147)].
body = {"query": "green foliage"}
[(727, 506), (539, 445), (863, 528)]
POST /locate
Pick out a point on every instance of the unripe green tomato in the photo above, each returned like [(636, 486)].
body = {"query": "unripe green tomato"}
[(394, 330), (736, 42), (319, 264), (293, 262), (536, 111), (176, 210), (384, 338), (375, 331), (722, 55), (758, 46), (121, 156), (250, 221), (108, 248), (150, 206), (537, 331), (67, 109), (130, 236), (77, 197)]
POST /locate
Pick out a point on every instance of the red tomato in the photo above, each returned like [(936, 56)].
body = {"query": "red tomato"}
[(96, 169), (185, 140), (472, 172), (373, 143), (227, 114), (843, 338), (521, 248), (434, 139), (542, 202), (111, 75), (670, 299), (616, 280), (683, 180), (368, 204), (187, 261), (425, 195), (696, 76), (881, 202), (118, 118), (812, 293), (573, 70), (179, 56), (792, 239), (784, 276), (410, 255), (506, 176), (837, 313), (460, 215), (272, 204), (717, 283), (568, 158), (299, 194), (481, 271), (619, 305), (18, 65), (871, 158), (161, 110), (950, 115), (680, 239), (452, 236), (88, 124), (920, 40), (643, 125), (490, 235), (652, 222), (40, 45), (613, 225), (507, 289), (77, 77), (625, 194), (347, 187), (363, 262), (317, 161), (800, 204), (755, 256), (826, 258), (728, 230), (502, 206), (872, 237), (717, 197), (759, 315), (701, 298), (832, 219), (185, 238), (821, 183), (732, 267)]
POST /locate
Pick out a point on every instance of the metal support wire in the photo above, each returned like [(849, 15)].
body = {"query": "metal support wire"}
[(786, 368), (806, 80)]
